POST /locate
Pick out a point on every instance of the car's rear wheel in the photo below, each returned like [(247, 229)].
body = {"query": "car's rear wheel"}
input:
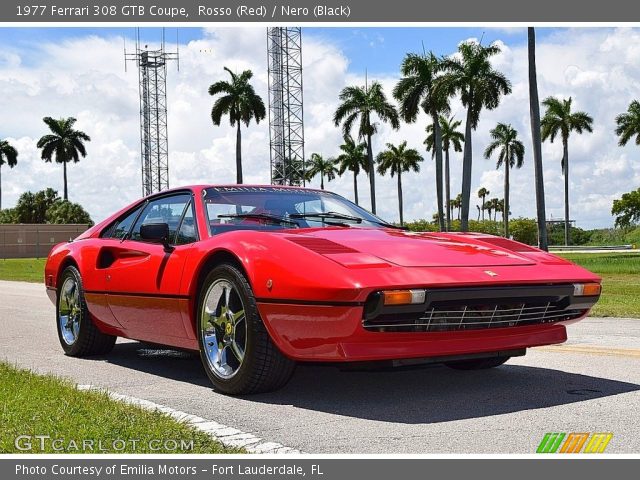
[(477, 363), (77, 333), (236, 349)]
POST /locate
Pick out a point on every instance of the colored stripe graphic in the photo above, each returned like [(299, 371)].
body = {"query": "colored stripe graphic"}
[(598, 442), (574, 443), (550, 442)]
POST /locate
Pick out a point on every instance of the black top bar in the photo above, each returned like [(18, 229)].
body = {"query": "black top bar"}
[(300, 12)]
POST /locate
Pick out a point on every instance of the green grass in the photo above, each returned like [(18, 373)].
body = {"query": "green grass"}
[(33, 404), (620, 274), (22, 269)]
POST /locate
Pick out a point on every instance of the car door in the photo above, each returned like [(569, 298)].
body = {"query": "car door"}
[(142, 278)]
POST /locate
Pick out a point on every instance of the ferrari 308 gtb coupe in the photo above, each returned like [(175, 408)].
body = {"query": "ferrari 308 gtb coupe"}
[(257, 278)]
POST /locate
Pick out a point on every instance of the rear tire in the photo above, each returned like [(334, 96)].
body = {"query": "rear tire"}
[(235, 348), (78, 335), (477, 363)]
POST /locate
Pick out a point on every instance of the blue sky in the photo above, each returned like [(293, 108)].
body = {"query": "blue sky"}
[(376, 49), (80, 72)]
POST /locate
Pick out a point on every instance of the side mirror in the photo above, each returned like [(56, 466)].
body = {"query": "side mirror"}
[(156, 233)]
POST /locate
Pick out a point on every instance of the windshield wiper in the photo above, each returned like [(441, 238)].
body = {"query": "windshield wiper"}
[(325, 215), (389, 225), (261, 216)]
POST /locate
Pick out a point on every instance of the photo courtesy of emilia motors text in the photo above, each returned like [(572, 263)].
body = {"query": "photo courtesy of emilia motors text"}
[(346, 239)]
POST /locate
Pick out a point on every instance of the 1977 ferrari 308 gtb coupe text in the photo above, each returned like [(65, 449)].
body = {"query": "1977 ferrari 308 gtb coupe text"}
[(257, 278)]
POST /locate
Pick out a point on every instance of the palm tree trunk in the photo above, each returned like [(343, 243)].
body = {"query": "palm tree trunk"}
[(239, 155), (372, 173), (400, 197), (534, 111), (355, 187), (466, 170), (566, 191), (505, 209), (447, 183), (321, 181), (64, 170), (438, 147), (482, 208)]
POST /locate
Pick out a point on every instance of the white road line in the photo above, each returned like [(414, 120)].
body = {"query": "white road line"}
[(228, 436)]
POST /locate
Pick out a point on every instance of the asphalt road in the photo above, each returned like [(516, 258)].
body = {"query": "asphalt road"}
[(592, 383)]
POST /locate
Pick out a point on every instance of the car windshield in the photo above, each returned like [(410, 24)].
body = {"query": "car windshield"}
[(269, 208)]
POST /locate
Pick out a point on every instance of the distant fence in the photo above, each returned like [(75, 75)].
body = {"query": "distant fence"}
[(559, 248), (28, 240)]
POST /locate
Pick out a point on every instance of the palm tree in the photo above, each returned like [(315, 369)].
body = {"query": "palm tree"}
[(361, 103), (352, 158), (64, 143), (480, 86), (534, 113), (483, 193), (8, 155), (398, 160), (511, 154), (478, 207), (488, 206), (317, 165), (450, 138), (559, 120), (416, 90), (241, 102), (457, 204), (494, 205), (500, 208), (628, 124)]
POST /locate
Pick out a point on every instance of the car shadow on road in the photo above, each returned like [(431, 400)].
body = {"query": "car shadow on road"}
[(428, 394)]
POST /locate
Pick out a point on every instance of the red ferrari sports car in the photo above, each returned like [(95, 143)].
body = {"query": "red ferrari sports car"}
[(257, 278)]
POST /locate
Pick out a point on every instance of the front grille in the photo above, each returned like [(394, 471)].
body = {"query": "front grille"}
[(447, 317)]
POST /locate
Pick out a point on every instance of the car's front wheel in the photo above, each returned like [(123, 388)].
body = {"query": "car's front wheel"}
[(236, 350), (477, 363), (78, 335)]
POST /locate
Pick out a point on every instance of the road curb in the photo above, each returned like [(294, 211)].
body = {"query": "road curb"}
[(228, 436)]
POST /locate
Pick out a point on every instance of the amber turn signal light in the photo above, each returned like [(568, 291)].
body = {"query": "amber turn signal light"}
[(586, 289), (404, 297)]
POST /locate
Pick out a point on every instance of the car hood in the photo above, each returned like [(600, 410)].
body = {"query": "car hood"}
[(407, 249)]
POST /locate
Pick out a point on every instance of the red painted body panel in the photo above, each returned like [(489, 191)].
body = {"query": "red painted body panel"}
[(330, 334), (147, 294)]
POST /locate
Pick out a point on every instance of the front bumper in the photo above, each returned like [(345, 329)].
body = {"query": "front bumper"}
[(344, 333)]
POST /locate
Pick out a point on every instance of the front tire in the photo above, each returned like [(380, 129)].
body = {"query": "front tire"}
[(235, 348), (77, 333), (477, 363)]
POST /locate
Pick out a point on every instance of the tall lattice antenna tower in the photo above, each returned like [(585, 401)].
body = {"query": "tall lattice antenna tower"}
[(154, 145), (286, 126)]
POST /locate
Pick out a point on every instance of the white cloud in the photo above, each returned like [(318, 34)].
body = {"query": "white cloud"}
[(85, 77)]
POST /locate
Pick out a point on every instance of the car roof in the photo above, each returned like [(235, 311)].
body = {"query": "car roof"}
[(200, 187)]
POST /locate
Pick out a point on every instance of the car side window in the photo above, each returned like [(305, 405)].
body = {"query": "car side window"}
[(187, 231), (121, 228), (167, 210)]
